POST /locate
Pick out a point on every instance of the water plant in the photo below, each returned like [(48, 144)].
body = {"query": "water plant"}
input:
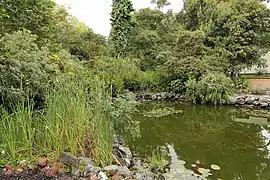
[(159, 159), (213, 88), (160, 112)]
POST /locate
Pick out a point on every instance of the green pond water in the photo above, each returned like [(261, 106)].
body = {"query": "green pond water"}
[(214, 135)]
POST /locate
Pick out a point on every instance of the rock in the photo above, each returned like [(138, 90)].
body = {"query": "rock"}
[(127, 155), (92, 177), (19, 170), (85, 167), (256, 103), (240, 101), (241, 97), (9, 172), (112, 170), (265, 99), (169, 95), (264, 104), (145, 175), (154, 97), (118, 140), (123, 155), (177, 96), (182, 96), (249, 100), (123, 171), (163, 95), (117, 177), (232, 100), (147, 96), (102, 176), (62, 171), (42, 161)]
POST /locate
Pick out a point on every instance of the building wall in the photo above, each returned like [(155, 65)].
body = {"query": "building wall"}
[(263, 84)]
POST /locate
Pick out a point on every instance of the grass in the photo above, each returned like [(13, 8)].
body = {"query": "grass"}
[(76, 118), (159, 160)]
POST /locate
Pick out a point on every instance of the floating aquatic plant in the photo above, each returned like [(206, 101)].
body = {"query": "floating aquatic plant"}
[(161, 112), (215, 167)]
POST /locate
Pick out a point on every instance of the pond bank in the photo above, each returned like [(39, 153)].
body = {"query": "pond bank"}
[(250, 100)]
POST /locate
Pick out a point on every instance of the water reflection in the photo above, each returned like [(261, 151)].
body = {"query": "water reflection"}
[(210, 134), (266, 134)]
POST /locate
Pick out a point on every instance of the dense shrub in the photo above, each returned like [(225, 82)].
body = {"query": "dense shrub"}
[(192, 90), (212, 87), (23, 67), (177, 86), (240, 83), (124, 74)]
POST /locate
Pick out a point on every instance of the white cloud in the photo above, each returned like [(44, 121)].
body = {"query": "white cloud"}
[(96, 13)]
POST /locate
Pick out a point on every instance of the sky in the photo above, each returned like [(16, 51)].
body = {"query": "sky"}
[(96, 13)]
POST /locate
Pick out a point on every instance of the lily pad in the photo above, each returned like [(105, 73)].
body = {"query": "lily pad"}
[(182, 162), (215, 167), (202, 171)]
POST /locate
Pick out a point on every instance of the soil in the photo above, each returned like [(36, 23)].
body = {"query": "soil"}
[(36, 175)]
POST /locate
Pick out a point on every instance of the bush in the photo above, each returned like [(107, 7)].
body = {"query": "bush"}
[(211, 88), (192, 90), (124, 74), (240, 83), (23, 67), (177, 86)]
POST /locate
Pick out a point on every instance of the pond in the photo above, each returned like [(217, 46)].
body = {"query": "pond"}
[(214, 135)]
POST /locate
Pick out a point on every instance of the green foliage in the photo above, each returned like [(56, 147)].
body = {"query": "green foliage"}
[(121, 22), (212, 87), (159, 160), (34, 15), (24, 67), (240, 83), (79, 117), (124, 106), (235, 28), (215, 88), (150, 39), (161, 112), (160, 3), (177, 86), (192, 90), (124, 74)]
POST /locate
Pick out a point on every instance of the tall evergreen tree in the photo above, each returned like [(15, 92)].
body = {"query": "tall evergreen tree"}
[(121, 22)]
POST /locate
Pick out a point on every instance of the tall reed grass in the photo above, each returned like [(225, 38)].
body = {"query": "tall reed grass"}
[(76, 118)]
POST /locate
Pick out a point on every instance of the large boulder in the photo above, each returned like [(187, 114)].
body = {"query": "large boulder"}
[(121, 152), (232, 100), (264, 104), (250, 99)]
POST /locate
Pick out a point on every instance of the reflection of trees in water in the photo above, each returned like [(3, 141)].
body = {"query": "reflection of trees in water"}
[(210, 134)]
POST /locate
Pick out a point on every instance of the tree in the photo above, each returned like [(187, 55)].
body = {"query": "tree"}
[(34, 15), (161, 3), (121, 23), (236, 29)]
